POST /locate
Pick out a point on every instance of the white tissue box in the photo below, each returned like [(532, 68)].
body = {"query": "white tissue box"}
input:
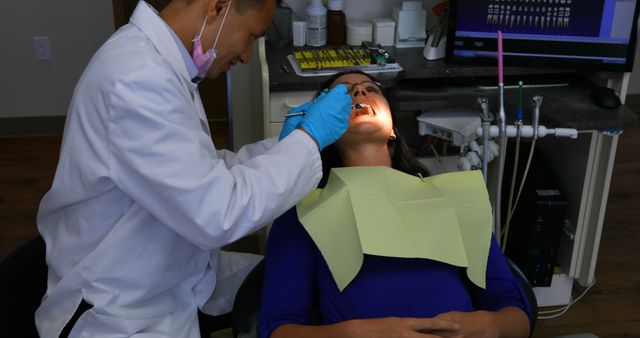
[(384, 30)]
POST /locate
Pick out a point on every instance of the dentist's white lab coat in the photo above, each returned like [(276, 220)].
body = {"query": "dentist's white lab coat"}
[(141, 199)]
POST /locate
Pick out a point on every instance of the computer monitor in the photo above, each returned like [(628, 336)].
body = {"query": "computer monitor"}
[(568, 34)]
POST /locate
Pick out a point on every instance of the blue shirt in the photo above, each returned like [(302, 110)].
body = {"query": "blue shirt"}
[(296, 274)]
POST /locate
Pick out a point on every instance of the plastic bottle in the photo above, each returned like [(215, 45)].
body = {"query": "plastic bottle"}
[(336, 23), (316, 24)]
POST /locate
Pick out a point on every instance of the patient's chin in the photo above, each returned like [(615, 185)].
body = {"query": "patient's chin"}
[(366, 132), (367, 124)]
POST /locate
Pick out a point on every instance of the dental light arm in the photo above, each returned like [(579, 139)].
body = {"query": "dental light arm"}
[(485, 117), (537, 102), (528, 131)]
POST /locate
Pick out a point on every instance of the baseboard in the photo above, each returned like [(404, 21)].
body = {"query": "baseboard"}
[(31, 126)]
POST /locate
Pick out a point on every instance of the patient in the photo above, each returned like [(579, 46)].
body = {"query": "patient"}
[(389, 297)]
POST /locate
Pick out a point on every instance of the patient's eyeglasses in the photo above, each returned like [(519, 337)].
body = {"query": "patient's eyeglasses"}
[(370, 86)]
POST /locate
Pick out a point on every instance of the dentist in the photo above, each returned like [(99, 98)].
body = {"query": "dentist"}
[(142, 200)]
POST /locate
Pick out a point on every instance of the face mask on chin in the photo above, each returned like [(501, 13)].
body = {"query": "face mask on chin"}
[(203, 60)]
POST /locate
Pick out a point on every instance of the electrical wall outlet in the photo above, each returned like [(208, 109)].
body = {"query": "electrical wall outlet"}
[(42, 48)]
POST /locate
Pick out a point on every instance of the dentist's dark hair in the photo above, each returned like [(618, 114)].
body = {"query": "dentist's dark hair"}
[(401, 157), (243, 5)]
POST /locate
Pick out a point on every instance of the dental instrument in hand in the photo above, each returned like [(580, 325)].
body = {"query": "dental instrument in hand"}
[(357, 106), (295, 114)]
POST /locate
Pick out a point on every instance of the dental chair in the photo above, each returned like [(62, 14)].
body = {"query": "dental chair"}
[(246, 306), (244, 317), (23, 282)]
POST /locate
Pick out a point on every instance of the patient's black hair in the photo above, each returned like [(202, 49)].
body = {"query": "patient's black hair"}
[(401, 157)]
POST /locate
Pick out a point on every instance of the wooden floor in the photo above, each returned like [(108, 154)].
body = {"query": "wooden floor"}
[(27, 166), (610, 310)]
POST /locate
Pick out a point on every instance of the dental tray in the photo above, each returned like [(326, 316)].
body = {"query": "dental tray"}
[(328, 61)]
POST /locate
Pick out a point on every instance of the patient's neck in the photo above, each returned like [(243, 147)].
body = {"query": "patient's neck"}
[(366, 154)]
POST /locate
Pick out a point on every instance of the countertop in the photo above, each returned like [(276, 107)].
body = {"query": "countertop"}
[(430, 85)]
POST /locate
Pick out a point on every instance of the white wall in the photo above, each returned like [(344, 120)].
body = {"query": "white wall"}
[(362, 10), (634, 81), (76, 28), (245, 89)]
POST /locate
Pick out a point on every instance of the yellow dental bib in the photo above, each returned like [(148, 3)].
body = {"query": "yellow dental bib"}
[(384, 212)]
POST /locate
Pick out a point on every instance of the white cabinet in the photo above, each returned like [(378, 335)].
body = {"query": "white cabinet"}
[(583, 168), (279, 104)]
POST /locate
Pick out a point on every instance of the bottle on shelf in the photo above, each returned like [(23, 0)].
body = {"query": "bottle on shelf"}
[(316, 24), (336, 23)]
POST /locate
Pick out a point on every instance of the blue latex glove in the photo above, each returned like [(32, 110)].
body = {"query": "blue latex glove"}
[(291, 123), (327, 118)]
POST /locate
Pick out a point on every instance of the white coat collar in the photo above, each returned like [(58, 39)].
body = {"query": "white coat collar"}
[(146, 18)]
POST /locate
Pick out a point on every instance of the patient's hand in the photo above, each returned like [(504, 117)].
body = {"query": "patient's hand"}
[(508, 322), (395, 327), (472, 324), (390, 327)]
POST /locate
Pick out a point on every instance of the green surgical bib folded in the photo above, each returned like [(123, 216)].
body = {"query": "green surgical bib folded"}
[(384, 212)]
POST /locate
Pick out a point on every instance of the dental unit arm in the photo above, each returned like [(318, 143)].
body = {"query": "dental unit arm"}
[(486, 118), (488, 132), (469, 149), (528, 131), (537, 102)]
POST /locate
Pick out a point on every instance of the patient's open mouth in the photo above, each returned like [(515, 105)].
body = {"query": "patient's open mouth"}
[(362, 109)]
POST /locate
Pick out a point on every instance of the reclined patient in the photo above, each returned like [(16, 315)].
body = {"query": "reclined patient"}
[(389, 296)]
